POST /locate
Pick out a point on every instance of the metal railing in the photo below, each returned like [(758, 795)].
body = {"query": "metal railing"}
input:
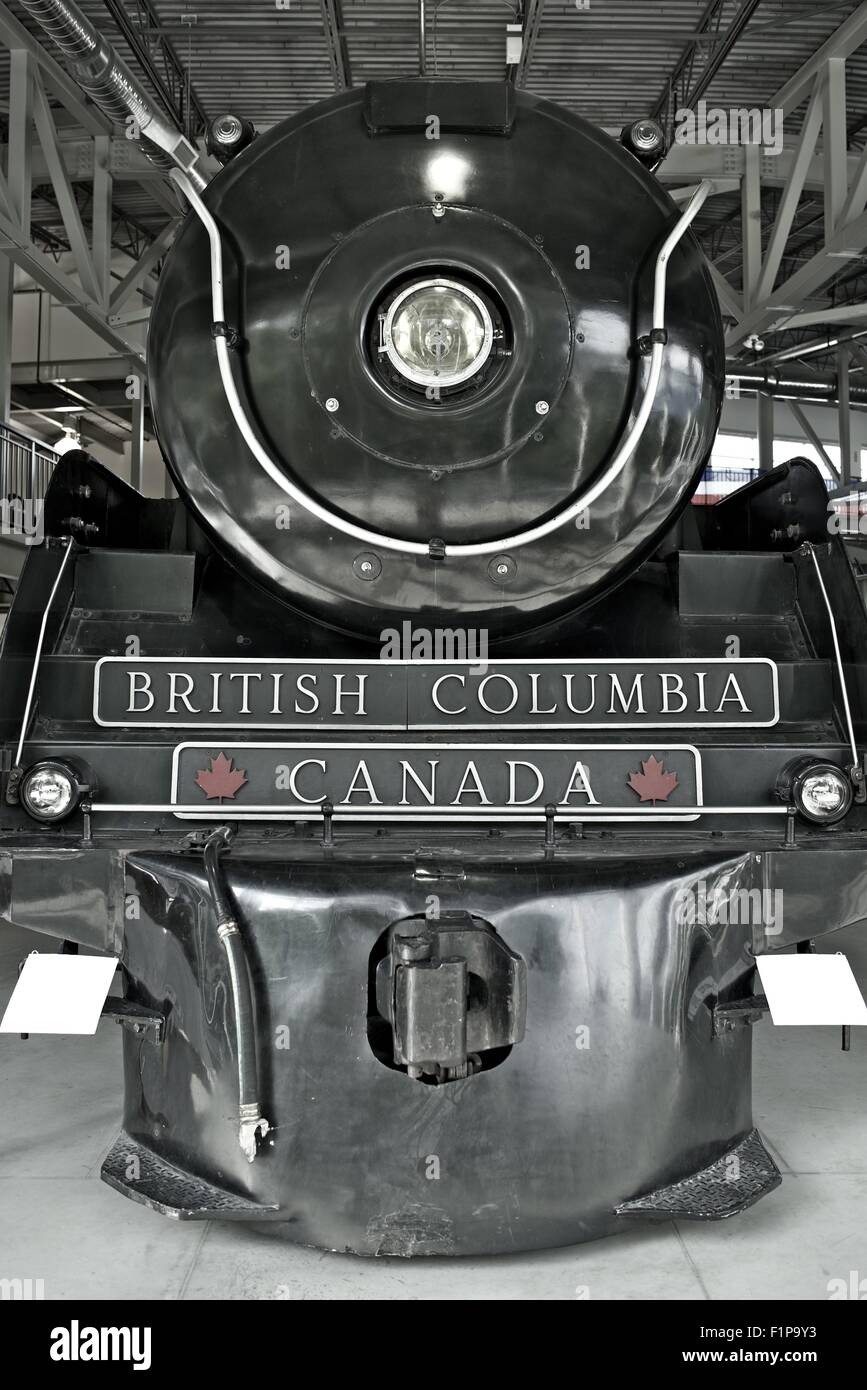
[(26, 465)]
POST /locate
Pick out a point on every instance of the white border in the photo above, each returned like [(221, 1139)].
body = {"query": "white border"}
[(330, 727), (433, 813)]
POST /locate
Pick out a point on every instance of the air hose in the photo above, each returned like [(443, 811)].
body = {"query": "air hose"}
[(253, 1125)]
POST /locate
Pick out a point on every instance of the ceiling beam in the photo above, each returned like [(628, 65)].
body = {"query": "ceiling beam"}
[(14, 36), (792, 192), (532, 22), (17, 246), (335, 38), (73, 369), (64, 194), (850, 35), (815, 318), (137, 42), (142, 268), (719, 49), (846, 243)]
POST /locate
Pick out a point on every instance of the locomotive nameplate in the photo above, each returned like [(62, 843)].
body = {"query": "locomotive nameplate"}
[(417, 780), (408, 696)]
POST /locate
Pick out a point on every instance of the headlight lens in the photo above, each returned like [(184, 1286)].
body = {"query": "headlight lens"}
[(438, 333), (822, 792), (49, 791)]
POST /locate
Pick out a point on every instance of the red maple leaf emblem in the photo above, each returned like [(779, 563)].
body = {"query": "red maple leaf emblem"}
[(653, 783), (222, 780)]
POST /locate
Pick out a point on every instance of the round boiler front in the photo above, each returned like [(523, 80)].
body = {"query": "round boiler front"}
[(438, 343)]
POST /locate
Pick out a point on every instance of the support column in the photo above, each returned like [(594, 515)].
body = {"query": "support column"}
[(7, 282), (18, 184), (844, 423), (136, 472), (765, 430), (812, 436), (834, 142), (101, 223), (751, 222)]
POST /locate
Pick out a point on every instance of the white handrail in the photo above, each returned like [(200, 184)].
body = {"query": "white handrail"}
[(380, 539), (847, 710), (37, 656)]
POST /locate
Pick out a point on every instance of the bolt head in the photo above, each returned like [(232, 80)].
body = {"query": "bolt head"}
[(332, 404), (542, 407), (502, 569), (367, 565)]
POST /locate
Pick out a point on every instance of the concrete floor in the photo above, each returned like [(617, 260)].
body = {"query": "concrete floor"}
[(60, 1106)]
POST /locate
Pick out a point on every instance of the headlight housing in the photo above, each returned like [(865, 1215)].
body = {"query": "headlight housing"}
[(820, 791), (51, 790), (438, 332)]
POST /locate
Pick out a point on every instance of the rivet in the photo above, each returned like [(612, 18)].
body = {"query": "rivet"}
[(332, 404), (542, 407)]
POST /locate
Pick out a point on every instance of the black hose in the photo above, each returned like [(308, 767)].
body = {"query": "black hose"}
[(218, 841), (252, 1122)]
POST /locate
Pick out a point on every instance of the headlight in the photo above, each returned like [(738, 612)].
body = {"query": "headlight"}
[(822, 792), (50, 791), (438, 333)]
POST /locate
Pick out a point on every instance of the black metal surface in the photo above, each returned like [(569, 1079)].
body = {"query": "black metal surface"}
[(469, 107), (779, 510), (583, 1039), (486, 466), (528, 1153)]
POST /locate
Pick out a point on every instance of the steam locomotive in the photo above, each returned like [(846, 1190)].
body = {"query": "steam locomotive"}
[(430, 766)]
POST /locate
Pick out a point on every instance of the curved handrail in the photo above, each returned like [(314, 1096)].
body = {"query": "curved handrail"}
[(381, 539)]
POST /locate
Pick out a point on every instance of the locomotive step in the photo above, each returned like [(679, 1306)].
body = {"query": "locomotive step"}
[(732, 1182), (141, 1174)]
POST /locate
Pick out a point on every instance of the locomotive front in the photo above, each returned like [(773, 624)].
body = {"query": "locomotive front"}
[(433, 772)]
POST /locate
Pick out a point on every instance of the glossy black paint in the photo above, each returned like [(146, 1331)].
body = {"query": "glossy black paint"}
[(519, 208), (624, 1079), (536, 1152)]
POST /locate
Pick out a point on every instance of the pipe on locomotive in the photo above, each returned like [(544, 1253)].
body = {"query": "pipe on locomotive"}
[(105, 77), (252, 1124), (377, 538), (793, 385)]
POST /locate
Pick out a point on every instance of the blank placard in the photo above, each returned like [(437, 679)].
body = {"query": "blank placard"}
[(811, 989), (59, 994)]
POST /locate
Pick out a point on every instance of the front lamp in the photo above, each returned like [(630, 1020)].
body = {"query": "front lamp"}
[(438, 332), (820, 791), (50, 791)]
